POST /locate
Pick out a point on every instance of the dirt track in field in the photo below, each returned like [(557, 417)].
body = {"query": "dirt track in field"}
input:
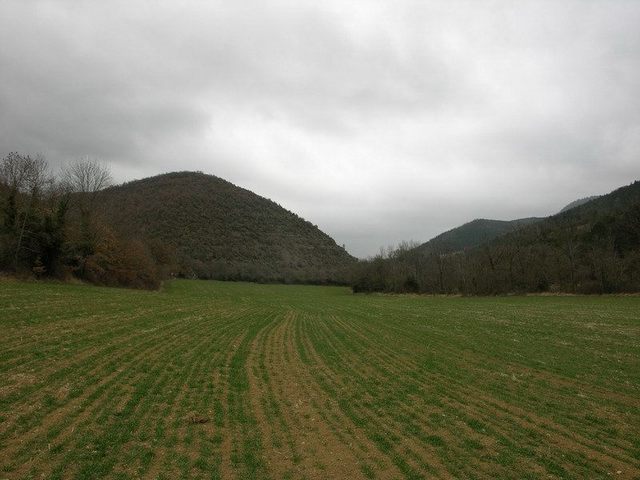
[(211, 380)]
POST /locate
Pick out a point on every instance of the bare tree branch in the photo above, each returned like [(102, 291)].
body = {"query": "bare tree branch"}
[(87, 175)]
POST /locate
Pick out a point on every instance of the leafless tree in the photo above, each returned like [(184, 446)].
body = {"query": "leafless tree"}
[(23, 173), (26, 178), (88, 176)]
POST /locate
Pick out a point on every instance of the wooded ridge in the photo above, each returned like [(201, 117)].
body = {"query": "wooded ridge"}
[(593, 247)]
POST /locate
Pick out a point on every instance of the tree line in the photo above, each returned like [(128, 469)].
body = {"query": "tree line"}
[(594, 248), (51, 225)]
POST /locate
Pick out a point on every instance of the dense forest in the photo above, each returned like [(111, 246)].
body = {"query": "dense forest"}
[(217, 230), (593, 247)]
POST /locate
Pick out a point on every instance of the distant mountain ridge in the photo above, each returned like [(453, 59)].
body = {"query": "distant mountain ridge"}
[(218, 230), (481, 230), (577, 203), (592, 247), (472, 234)]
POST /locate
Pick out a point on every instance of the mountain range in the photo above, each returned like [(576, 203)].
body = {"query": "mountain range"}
[(590, 246), (190, 224), (481, 231), (215, 229)]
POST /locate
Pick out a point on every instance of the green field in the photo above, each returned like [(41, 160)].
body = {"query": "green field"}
[(232, 380)]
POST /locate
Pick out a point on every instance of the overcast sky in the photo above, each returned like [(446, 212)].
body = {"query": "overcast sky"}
[(377, 121)]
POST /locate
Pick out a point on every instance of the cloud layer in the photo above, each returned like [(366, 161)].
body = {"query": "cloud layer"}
[(378, 121)]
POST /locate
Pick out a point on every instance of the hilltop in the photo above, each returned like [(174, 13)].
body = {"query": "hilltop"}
[(219, 230)]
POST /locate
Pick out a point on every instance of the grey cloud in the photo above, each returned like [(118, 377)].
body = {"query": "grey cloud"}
[(378, 121)]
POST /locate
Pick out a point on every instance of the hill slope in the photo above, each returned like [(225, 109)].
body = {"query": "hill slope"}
[(472, 234), (481, 231), (590, 248), (577, 203), (219, 230), (610, 222)]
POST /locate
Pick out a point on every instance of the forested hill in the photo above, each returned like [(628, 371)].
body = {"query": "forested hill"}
[(609, 222), (482, 230), (219, 230), (590, 248), (577, 203), (472, 234)]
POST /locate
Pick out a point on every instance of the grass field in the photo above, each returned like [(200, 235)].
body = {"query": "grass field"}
[(231, 380)]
